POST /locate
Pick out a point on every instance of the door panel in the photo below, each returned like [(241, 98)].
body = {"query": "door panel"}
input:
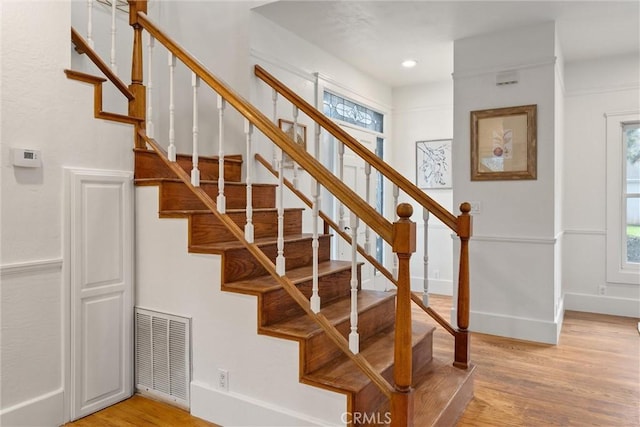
[(100, 260)]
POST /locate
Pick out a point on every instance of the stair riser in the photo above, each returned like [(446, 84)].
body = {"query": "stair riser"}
[(278, 305), (371, 400), (238, 264), (176, 196), (207, 228), (320, 350), (149, 165), (457, 405)]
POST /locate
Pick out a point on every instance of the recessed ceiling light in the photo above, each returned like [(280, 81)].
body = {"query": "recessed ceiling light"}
[(409, 63)]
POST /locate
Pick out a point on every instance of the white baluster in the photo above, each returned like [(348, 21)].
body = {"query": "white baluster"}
[(280, 261), (90, 23), (295, 140), (195, 172), (114, 4), (315, 194), (248, 228), (171, 152), (367, 231), (341, 222), (396, 193), (221, 201), (354, 339), (274, 98), (425, 295), (150, 46)]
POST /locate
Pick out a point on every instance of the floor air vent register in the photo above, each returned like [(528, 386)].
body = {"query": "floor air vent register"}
[(163, 356)]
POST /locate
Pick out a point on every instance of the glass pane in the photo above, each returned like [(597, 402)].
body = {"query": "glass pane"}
[(633, 229), (340, 108), (631, 135)]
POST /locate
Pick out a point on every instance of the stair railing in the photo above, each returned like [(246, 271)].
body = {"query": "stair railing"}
[(461, 225), (400, 235)]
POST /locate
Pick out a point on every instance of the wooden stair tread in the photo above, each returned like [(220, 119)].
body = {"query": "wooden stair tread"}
[(377, 350), (265, 284), (236, 244), (171, 212), (441, 393), (154, 181), (232, 158), (304, 327)]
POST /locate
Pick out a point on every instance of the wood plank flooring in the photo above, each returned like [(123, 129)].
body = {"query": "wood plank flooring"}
[(591, 378), (139, 411)]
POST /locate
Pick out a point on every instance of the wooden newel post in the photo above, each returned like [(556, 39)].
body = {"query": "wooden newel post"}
[(404, 244), (462, 338), (137, 106)]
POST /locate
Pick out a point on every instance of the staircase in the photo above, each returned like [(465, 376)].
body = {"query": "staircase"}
[(441, 392), (387, 369)]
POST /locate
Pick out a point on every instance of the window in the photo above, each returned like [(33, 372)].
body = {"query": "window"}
[(631, 191), (623, 198), (341, 108)]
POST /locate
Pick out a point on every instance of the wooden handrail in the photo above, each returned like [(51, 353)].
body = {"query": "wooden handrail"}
[(268, 265), (367, 155), (83, 47), (346, 195), (382, 269), (97, 98)]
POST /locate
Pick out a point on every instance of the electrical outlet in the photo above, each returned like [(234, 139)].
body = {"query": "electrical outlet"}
[(602, 289), (223, 379)]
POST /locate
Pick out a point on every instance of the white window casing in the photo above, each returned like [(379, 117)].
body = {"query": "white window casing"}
[(618, 269)]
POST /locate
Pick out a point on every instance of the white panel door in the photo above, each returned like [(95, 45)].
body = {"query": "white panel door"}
[(354, 176), (101, 275)]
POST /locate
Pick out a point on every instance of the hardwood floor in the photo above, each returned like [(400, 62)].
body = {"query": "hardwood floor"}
[(139, 411), (591, 378)]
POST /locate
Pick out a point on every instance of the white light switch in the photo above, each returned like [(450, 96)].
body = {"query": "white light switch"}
[(475, 207), (25, 158)]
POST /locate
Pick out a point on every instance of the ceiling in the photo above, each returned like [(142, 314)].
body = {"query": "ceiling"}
[(376, 36)]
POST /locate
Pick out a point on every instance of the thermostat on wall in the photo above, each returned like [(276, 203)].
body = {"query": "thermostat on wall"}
[(26, 158)]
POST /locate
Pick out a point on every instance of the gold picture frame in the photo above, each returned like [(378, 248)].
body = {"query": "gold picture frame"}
[(503, 143), (301, 137)]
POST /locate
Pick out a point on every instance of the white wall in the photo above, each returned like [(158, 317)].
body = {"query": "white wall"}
[(425, 112), (593, 88), (217, 34), (513, 267), (41, 109)]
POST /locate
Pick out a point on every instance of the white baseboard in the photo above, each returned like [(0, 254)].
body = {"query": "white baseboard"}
[(436, 286), (42, 411), (602, 304), (513, 327), (234, 410)]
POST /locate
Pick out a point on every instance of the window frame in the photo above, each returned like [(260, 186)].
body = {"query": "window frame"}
[(618, 269)]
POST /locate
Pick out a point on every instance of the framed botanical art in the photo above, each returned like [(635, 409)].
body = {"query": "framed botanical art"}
[(503, 143), (433, 163), (301, 137)]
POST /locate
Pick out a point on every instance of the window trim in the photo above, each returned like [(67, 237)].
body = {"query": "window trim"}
[(618, 270)]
